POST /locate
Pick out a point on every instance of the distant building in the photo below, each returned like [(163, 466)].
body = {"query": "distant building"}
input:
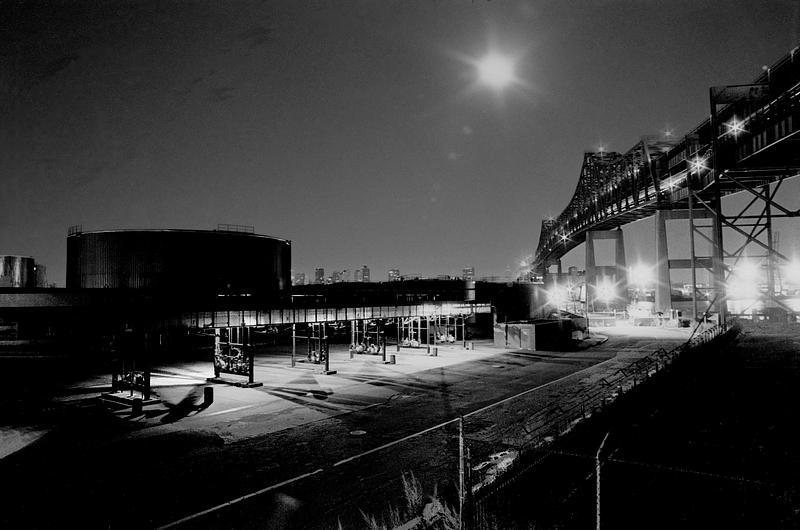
[(299, 278), (394, 275), (319, 276), (336, 277), (365, 274), (468, 273), (357, 275), (41, 275), (345, 275), (18, 272)]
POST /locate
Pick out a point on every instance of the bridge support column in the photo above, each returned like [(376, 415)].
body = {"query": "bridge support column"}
[(663, 298), (606, 285), (663, 301)]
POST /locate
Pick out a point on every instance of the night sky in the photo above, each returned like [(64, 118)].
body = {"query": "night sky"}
[(356, 129)]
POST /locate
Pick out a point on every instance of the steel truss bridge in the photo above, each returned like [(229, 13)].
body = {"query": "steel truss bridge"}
[(750, 144)]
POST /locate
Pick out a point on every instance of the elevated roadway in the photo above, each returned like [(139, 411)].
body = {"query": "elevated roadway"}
[(751, 141)]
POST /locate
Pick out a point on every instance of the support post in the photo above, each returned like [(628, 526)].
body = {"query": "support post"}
[(691, 247), (217, 347), (718, 254), (250, 354), (427, 332), (323, 347), (770, 299), (663, 288), (294, 343), (591, 272), (621, 276), (597, 481), (382, 339), (462, 483), (146, 368)]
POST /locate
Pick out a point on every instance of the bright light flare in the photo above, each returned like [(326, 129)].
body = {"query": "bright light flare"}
[(641, 275), (558, 296), (743, 283), (746, 271), (791, 272), (698, 164), (735, 127), (606, 291), (496, 70)]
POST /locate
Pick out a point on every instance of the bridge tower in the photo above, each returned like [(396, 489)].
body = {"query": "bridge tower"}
[(606, 285), (663, 293)]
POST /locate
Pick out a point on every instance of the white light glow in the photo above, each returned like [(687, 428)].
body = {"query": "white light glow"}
[(641, 275), (698, 164), (743, 283), (558, 296), (791, 271), (746, 270), (496, 71), (605, 291), (735, 127)]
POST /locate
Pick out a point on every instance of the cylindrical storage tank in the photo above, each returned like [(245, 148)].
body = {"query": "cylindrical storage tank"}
[(469, 291), (193, 261), (17, 271)]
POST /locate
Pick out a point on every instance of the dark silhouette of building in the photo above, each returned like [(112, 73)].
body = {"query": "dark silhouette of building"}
[(21, 272), (193, 261)]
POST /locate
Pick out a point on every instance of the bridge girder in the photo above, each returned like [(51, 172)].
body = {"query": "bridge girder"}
[(615, 189)]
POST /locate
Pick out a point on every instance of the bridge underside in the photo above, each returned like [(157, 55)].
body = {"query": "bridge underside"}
[(750, 146)]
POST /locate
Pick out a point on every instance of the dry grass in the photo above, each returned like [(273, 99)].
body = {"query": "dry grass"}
[(419, 514)]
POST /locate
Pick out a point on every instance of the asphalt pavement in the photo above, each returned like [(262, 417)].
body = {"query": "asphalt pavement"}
[(306, 449)]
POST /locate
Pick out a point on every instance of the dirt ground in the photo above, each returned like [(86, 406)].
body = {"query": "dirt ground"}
[(713, 443), (98, 469)]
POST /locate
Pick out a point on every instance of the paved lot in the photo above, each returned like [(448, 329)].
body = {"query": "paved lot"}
[(105, 468)]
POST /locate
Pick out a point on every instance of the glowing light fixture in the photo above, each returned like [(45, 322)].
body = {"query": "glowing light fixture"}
[(735, 127), (698, 164)]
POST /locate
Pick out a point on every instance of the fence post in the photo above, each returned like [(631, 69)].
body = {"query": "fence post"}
[(461, 471), (597, 480)]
